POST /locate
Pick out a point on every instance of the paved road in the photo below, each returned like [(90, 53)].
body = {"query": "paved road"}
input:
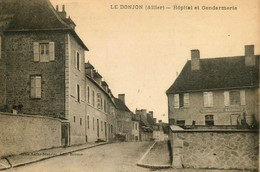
[(115, 157)]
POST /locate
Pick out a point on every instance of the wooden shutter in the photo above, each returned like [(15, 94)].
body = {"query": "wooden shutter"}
[(226, 98), (51, 51), (186, 100), (243, 97), (38, 87), (210, 96), (98, 100), (32, 87), (36, 51), (176, 101), (206, 99)]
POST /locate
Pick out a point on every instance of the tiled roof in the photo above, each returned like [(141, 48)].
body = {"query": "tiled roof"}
[(121, 105), (217, 73), (33, 15)]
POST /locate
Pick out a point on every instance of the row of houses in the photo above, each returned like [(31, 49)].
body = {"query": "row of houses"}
[(43, 72)]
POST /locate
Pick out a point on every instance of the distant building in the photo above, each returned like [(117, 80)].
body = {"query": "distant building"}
[(216, 91), (123, 118), (145, 128), (100, 107), (42, 65), (160, 131), (135, 128)]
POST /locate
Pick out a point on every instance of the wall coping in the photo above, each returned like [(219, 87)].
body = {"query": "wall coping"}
[(31, 116), (217, 130)]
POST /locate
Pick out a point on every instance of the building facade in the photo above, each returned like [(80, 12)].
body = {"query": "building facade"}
[(216, 91), (42, 65), (100, 107)]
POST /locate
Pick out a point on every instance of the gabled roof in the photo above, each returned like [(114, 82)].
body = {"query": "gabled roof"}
[(34, 15), (121, 105), (217, 73)]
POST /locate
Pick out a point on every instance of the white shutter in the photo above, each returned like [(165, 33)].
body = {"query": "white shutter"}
[(51, 51), (205, 99), (38, 84), (98, 100), (186, 100), (176, 101), (243, 97), (75, 59), (226, 98), (36, 51), (32, 87), (210, 95)]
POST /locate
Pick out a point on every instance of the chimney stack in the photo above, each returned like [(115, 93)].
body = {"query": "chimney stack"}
[(57, 8), (121, 97), (249, 55), (195, 60), (63, 8)]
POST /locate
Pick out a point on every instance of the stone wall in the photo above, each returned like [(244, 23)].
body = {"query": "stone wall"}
[(26, 133), (221, 149)]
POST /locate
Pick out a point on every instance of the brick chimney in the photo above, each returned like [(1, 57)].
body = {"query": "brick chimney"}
[(195, 60), (62, 13), (249, 55), (121, 97)]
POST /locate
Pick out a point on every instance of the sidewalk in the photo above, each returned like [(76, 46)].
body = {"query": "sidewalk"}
[(27, 158), (156, 157)]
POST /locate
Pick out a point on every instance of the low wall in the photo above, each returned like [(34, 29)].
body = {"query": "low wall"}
[(219, 149), (26, 133)]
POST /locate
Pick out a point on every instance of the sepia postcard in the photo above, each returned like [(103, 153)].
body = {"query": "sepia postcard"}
[(129, 85)]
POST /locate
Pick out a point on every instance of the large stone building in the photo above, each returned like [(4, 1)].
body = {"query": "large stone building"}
[(42, 64), (100, 107), (216, 91)]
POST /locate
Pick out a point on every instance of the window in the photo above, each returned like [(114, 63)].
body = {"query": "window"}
[(98, 127), (78, 93), (135, 126), (99, 100), (171, 121), (181, 122), (93, 123), (74, 119), (208, 99), (101, 125), (77, 60), (105, 106), (88, 121), (80, 121), (93, 98), (88, 96), (236, 97), (36, 84), (112, 129), (181, 100), (43, 52), (209, 120)]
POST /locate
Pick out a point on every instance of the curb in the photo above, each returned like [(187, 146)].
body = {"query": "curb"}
[(44, 158), (149, 165)]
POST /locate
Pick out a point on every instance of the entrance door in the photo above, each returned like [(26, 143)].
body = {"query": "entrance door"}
[(64, 134)]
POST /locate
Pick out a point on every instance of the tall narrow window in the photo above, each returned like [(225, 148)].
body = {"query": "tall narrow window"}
[(0, 46), (78, 93), (93, 123), (78, 61), (74, 119), (80, 121), (88, 121), (36, 86), (234, 97), (93, 98), (98, 127), (88, 96)]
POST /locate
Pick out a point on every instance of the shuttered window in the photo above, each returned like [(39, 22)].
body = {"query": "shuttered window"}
[(36, 86), (44, 52), (99, 100), (208, 99), (176, 101), (186, 101), (236, 97)]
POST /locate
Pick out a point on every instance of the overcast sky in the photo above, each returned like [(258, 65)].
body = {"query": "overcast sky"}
[(138, 52)]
